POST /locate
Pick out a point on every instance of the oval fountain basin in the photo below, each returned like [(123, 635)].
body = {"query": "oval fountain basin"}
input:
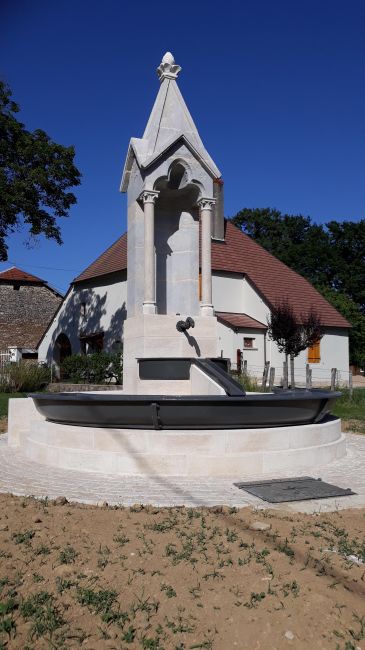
[(282, 408)]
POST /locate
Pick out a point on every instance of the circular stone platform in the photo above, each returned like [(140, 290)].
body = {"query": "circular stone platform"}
[(21, 476), (213, 453)]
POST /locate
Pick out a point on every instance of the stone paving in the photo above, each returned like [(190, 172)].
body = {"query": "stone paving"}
[(23, 477)]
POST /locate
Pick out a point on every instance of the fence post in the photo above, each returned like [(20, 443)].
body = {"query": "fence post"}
[(333, 378), (271, 378), (239, 361), (285, 375), (308, 377), (245, 366), (351, 389), (265, 374)]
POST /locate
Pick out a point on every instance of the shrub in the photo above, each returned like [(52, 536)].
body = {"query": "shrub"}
[(23, 377), (249, 383), (98, 368)]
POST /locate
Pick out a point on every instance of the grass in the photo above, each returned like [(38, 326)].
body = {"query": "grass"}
[(352, 411), (4, 399), (178, 578)]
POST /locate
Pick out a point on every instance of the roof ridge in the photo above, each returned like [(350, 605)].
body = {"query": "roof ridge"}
[(7, 274), (95, 262)]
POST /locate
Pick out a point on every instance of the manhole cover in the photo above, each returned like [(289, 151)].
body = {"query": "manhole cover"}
[(293, 489)]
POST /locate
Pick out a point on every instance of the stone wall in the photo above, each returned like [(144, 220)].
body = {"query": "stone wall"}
[(25, 313)]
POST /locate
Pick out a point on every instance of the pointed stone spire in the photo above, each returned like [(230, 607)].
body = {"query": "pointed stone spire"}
[(169, 122), (168, 69)]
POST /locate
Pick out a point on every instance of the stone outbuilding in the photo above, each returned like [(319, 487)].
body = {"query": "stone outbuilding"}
[(27, 305)]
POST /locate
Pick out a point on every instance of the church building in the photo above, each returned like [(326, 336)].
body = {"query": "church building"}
[(182, 258)]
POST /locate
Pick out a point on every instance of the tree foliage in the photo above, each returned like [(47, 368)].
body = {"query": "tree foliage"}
[(331, 256), (292, 334), (350, 310), (35, 176)]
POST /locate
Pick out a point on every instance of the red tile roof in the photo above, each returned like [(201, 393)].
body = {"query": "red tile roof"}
[(239, 320), (240, 254), (112, 260), (273, 279), (14, 274)]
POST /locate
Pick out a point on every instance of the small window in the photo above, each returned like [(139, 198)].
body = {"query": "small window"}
[(16, 287), (90, 343), (248, 343), (314, 353), (83, 309)]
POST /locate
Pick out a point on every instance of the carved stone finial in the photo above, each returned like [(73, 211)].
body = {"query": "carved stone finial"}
[(168, 69)]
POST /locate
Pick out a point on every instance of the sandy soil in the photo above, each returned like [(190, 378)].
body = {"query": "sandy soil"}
[(179, 579)]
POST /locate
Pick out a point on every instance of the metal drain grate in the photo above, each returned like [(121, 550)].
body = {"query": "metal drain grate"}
[(293, 489)]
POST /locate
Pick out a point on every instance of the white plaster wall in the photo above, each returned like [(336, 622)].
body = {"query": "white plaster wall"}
[(334, 352), (230, 341), (228, 292), (105, 311), (233, 293)]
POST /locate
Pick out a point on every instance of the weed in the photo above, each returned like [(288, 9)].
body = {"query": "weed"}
[(151, 644), (44, 614), (62, 584), (231, 535), (255, 599), (7, 606), (37, 577), (149, 607), (285, 548), (68, 555), (164, 526), (360, 634), (42, 549), (291, 588), (3, 582), (23, 537), (97, 601), (121, 539), (170, 592), (181, 625), (215, 575), (104, 552), (129, 635)]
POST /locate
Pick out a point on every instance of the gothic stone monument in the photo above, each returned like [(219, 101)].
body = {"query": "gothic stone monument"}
[(172, 185)]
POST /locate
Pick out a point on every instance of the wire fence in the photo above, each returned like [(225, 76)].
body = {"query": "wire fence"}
[(305, 377), (5, 358)]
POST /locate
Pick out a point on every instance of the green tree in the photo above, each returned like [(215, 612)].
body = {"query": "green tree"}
[(35, 176), (330, 256), (293, 239), (350, 310), (347, 239)]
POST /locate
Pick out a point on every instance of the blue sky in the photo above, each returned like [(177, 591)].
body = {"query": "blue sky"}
[(276, 88)]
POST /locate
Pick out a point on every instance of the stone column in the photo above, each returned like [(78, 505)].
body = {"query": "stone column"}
[(148, 197), (206, 205)]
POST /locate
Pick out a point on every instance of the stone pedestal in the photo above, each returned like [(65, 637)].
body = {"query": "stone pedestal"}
[(155, 335)]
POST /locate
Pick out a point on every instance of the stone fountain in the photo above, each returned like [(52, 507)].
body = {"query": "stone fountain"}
[(180, 413)]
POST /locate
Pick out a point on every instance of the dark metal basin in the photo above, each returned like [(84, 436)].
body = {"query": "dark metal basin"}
[(283, 408)]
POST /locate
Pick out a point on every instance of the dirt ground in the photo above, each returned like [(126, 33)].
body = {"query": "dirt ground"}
[(3, 425), (176, 579)]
